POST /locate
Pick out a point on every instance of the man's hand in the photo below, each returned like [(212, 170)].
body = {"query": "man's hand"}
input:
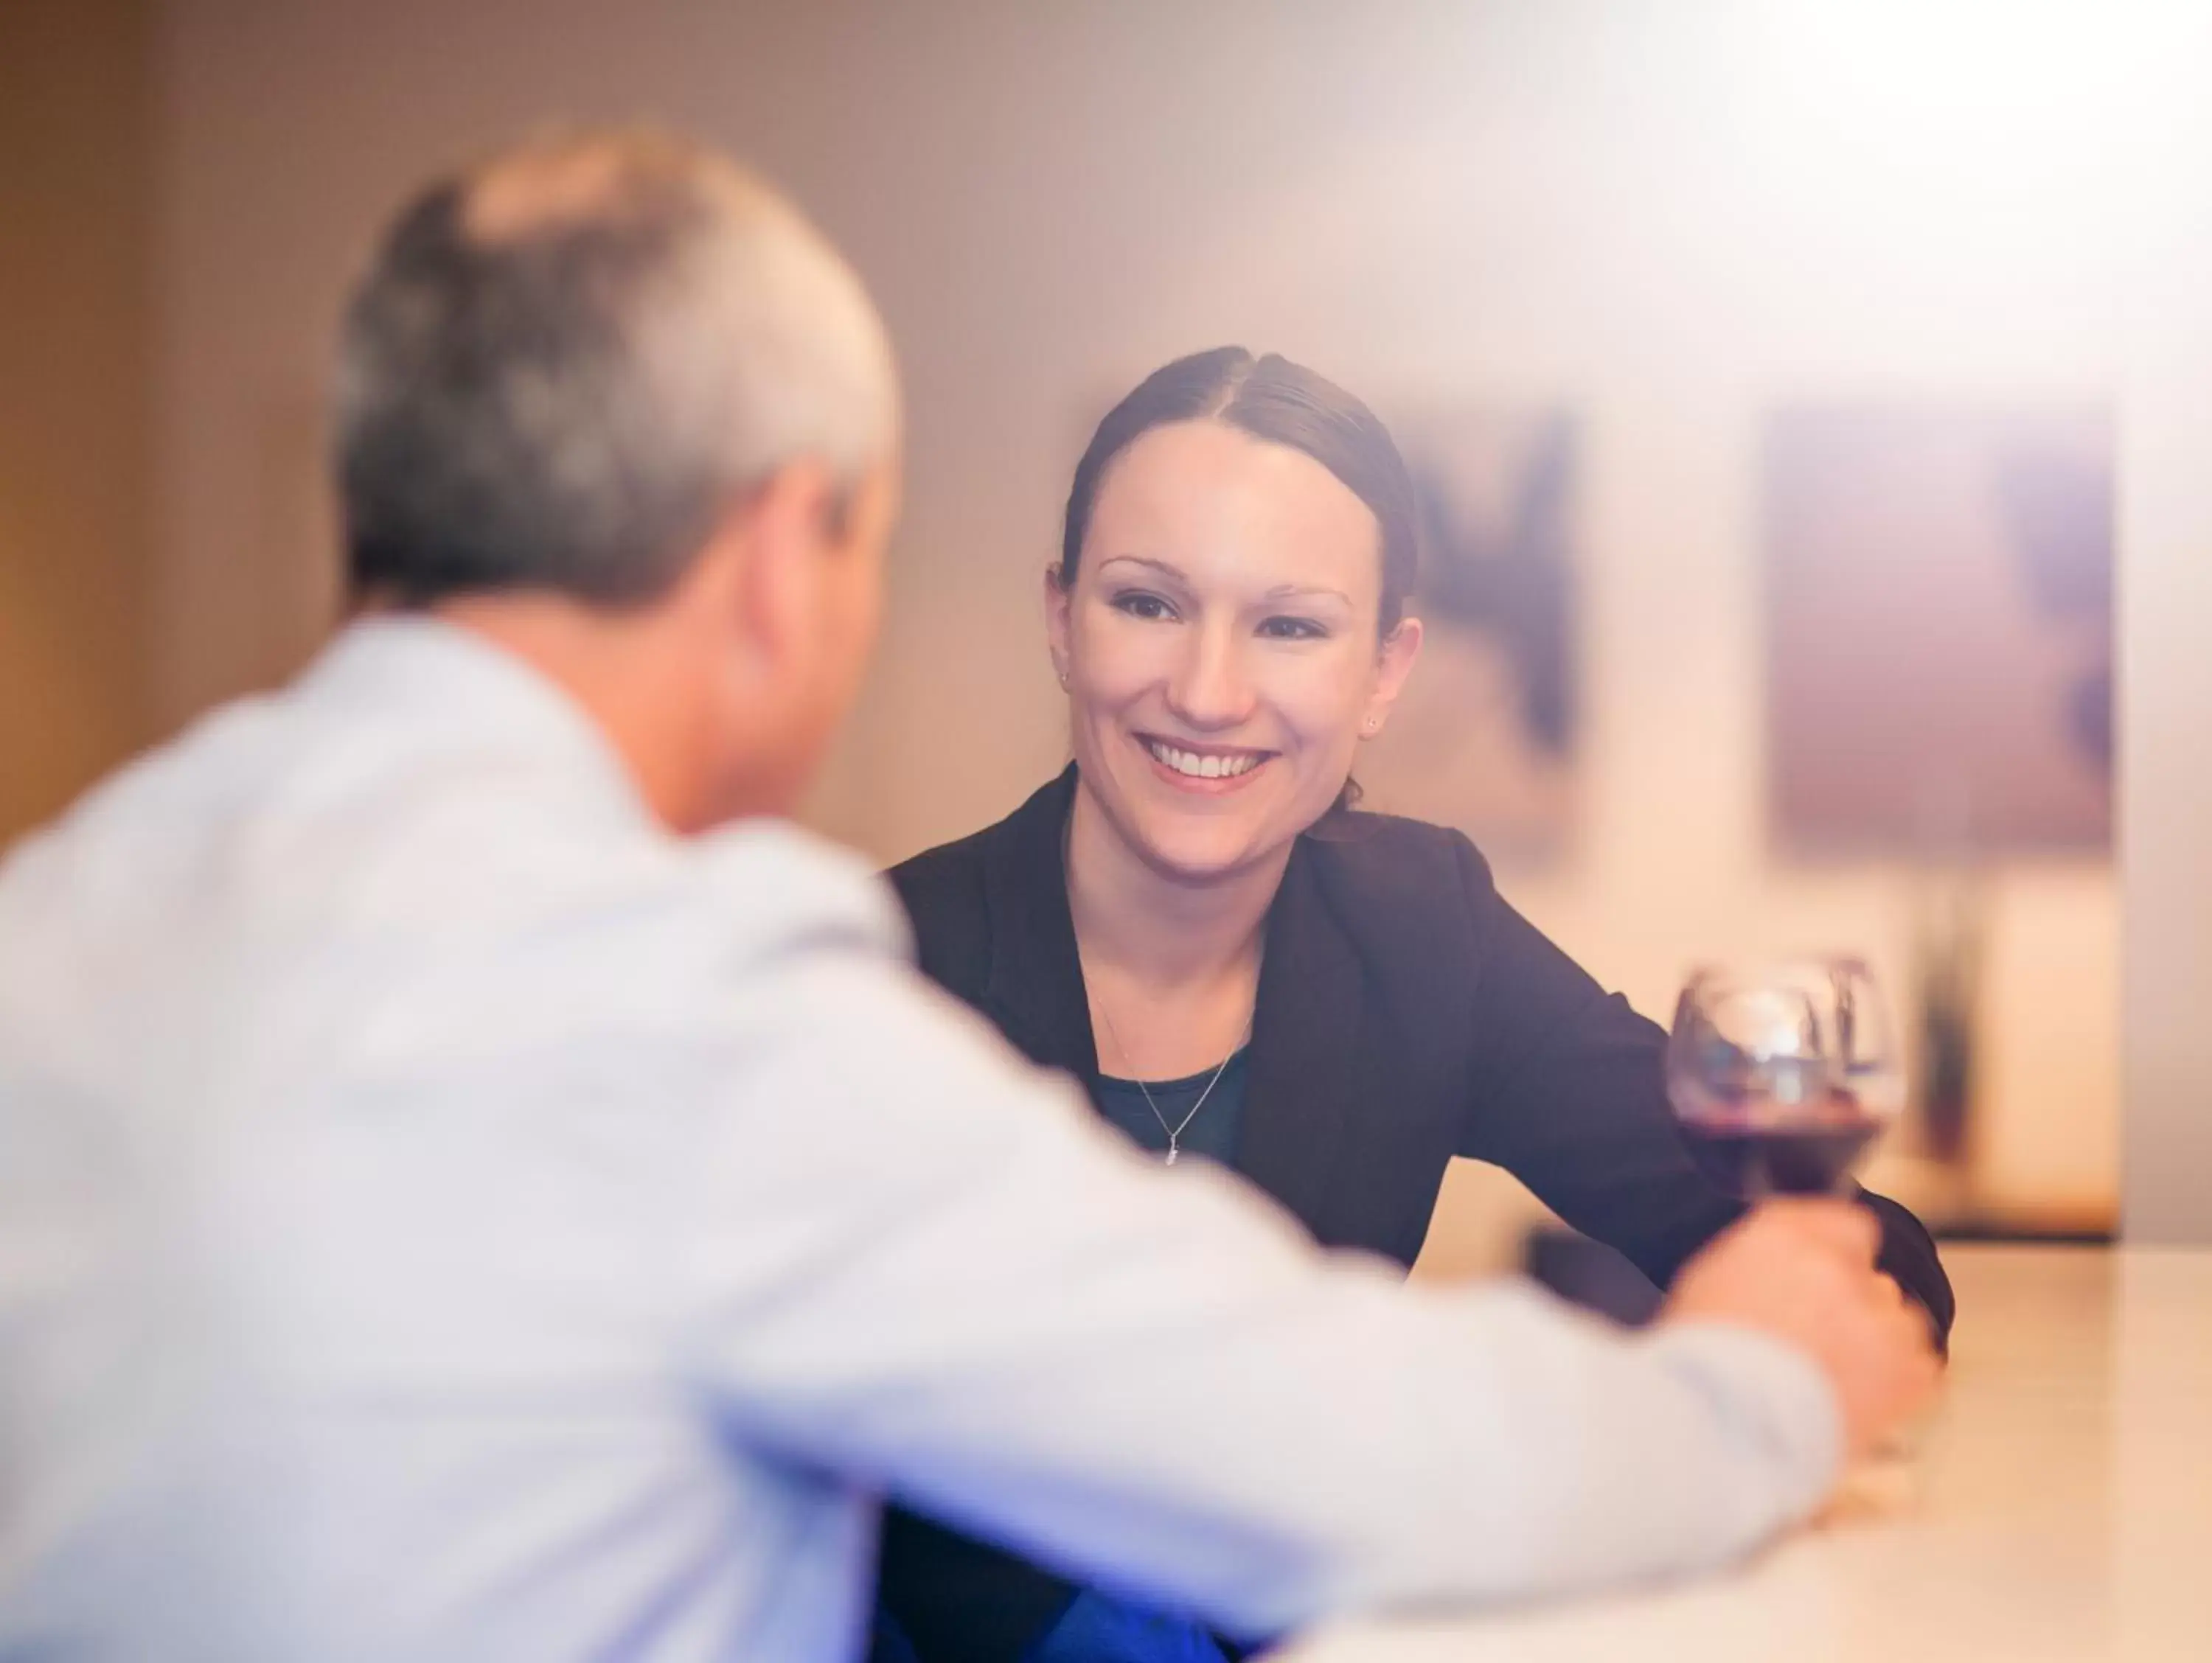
[(1803, 1272)]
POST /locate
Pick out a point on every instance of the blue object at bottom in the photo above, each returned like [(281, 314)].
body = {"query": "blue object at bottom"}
[(1098, 1630)]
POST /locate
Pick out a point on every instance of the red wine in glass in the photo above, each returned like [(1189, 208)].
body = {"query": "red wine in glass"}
[(1782, 1076), (1770, 1155)]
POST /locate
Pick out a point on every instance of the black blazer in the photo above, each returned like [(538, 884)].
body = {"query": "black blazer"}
[(1406, 1014)]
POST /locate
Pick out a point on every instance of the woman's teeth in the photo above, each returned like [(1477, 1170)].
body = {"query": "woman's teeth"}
[(1204, 768)]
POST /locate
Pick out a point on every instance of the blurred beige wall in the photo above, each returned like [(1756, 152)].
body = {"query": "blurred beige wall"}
[(1647, 213), (2166, 757), (75, 118)]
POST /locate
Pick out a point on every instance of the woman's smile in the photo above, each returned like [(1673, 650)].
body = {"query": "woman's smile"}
[(1210, 770)]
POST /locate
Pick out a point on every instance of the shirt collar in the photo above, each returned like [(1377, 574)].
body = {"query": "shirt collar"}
[(455, 690)]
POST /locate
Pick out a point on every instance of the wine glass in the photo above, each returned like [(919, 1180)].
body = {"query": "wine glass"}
[(1784, 1074)]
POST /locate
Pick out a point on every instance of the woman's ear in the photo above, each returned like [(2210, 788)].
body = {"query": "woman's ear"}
[(1401, 647), (1058, 607)]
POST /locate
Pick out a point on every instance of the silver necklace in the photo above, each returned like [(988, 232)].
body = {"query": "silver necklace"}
[(1175, 1132)]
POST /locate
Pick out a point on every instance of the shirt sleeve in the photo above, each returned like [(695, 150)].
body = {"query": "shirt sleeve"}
[(1569, 1096), (911, 1260)]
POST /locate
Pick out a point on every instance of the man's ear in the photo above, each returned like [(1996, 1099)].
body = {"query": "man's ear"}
[(783, 532)]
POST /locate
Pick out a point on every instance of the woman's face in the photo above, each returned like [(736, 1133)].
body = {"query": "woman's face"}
[(1218, 646)]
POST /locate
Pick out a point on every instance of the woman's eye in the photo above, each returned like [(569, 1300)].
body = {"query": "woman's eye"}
[(1140, 604), (1294, 629)]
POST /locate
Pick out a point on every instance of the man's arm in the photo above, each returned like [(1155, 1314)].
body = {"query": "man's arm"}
[(919, 1263)]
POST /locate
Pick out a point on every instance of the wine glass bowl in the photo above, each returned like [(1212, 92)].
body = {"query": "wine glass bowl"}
[(1782, 1074)]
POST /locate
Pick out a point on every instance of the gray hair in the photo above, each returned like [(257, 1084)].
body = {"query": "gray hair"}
[(562, 366)]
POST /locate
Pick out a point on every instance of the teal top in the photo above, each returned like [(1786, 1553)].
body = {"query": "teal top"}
[(1211, 1132)]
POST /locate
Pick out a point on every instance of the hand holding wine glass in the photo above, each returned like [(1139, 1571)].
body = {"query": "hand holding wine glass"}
[(1802, 1271), (1782, 1076)]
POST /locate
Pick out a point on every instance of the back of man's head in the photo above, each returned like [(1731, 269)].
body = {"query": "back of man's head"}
[(566, 364)]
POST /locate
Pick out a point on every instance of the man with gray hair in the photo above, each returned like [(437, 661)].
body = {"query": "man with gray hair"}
[(478, 1184)]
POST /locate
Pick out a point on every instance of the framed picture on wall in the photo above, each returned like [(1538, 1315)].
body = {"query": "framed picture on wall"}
[(1938, 612), (1484, 738)]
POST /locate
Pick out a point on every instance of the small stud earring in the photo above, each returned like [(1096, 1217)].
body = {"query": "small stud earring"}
[(1371, 725)]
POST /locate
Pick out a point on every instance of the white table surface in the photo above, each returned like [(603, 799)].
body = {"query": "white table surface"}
[(2058, 1506)]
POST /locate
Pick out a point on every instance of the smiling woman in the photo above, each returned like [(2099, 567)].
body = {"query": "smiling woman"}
[(1195, 922), (1238, 627)]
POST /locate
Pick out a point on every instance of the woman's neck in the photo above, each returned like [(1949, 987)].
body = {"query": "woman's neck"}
[(1149, 928)]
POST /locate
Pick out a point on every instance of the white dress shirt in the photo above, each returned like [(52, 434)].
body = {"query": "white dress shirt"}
[(444, 1215)]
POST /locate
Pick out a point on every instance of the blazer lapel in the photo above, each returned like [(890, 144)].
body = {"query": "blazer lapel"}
[(1306, 1032), (1305, 1074), (1035, 993)]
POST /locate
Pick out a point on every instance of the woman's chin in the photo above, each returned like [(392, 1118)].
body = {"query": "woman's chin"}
[(1200, 852), (1203, 836)]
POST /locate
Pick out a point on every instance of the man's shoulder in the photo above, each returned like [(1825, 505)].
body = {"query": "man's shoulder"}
[(790, 889), (141, 837)]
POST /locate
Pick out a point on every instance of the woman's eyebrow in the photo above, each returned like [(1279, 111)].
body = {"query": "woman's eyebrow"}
[(1165, 568), (1281, 591)]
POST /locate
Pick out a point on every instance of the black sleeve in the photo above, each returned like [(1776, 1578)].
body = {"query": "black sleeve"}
[(1569, 1094)]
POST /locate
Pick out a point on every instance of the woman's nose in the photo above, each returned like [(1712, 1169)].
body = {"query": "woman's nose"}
[(1209, 687)]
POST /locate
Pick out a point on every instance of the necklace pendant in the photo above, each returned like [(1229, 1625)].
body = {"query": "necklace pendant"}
[(1172, 1152)]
